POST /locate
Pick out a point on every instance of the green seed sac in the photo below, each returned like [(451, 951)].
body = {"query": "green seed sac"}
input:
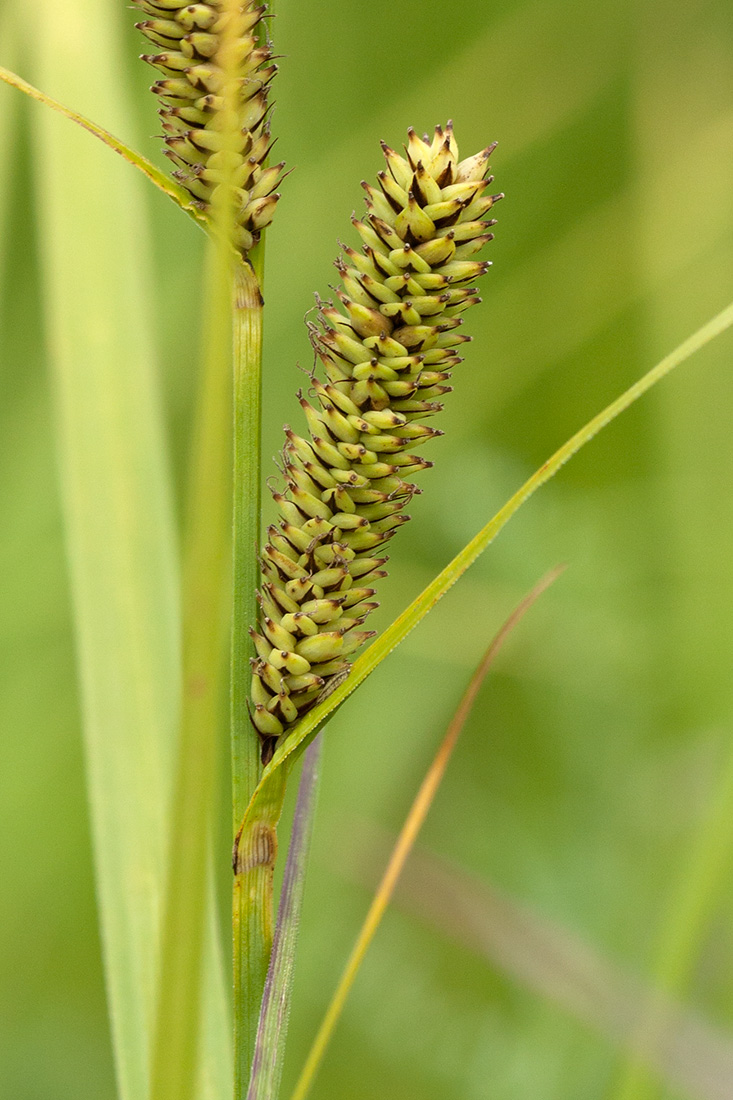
[(215, 78), (388, 349)]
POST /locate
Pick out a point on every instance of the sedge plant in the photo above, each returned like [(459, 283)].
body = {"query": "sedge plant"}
[(385, 350)]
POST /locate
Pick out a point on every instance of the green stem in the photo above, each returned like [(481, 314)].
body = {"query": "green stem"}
[(253, 928), (205, 576), (252, 912), (247, 320), (252, 896)]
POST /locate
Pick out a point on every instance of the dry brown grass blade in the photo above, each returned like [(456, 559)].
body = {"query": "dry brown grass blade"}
[(406, 840)]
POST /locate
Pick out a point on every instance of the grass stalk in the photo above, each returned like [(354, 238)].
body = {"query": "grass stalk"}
[(252, 922), (205, 575), (252, 899), (247, 326), (269, 1054)]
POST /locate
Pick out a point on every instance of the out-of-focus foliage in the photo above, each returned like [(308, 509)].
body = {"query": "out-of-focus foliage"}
[(592, 765)]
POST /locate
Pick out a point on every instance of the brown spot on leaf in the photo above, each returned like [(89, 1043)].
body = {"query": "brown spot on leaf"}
[(257, 847)]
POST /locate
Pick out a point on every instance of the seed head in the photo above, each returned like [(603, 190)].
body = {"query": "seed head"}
[(214, 134), (388, 348)]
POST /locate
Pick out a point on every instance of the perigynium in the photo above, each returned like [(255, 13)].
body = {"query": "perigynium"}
[(202, 46), (388, 347)]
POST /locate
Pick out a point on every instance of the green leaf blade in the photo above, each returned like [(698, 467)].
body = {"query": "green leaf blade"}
[(116, 498)]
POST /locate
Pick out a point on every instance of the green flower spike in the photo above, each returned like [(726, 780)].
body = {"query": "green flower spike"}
[(196, 128), (388, 350)]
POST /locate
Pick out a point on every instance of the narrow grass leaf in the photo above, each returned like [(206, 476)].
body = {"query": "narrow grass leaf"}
[(175, 1054), (688, 1054), (263, 804), (405, 842), (272, 1032), (137, 160), (116, 497), (215, 1042)]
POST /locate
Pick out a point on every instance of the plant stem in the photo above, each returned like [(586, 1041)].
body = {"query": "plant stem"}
[(272, 1030), (205, 576), (253, 931), (247, 321), (252, 902)]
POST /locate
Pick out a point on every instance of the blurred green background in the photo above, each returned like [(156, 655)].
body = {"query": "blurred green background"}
[(594, 781)]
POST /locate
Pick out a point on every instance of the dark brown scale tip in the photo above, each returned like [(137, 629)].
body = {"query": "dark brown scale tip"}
[(495, 198), (267, 753)]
